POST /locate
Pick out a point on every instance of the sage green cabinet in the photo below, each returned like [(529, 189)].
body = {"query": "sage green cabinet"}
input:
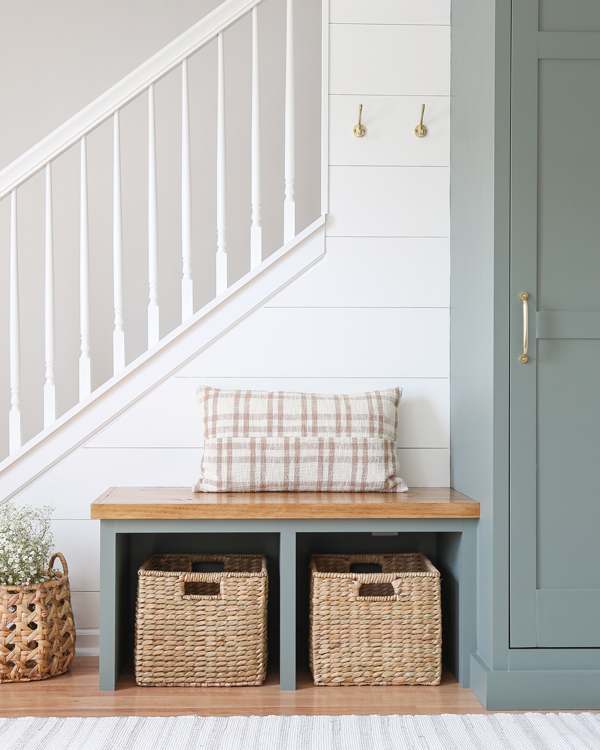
[(525, 437), (554, 396)]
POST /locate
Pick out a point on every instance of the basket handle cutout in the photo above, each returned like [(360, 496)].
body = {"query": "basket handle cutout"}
[(208, 566), (202, 590), (63, 562), (379, 590), (365, 567)]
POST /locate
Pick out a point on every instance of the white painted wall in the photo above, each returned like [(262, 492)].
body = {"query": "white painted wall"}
[(373, 314)]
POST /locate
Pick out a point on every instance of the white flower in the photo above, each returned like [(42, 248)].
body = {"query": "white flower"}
[(26, 543)]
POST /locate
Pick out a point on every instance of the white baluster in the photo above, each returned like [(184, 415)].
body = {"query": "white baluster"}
[(256, 229), (153, 309), (119, 330), (14, 417), (221, 268), (85, 379), (187, 287), (49, 328), (289, 206)]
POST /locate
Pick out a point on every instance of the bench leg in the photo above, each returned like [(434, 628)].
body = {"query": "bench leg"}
[(287, 614), (114, 603), (108, 612)]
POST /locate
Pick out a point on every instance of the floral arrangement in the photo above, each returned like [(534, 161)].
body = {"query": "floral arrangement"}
[(26, 543)]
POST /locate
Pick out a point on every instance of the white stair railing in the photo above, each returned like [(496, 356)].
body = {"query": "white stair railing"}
[(187, 285), (256, 229), (49, 317), (75, 132), (221, 273), (14, 417), (119, 330), (289, 215), (85, 361)]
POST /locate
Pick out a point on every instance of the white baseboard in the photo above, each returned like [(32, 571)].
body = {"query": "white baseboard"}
[(88, 642)]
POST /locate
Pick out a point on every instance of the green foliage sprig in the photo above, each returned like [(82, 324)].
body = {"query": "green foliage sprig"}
[(26, 543)]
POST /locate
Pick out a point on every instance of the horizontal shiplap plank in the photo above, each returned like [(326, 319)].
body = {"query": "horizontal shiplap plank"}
[(424, 468), (169, 417), (390, 139), (84, 475), (389, 202), (389, 11), (382, 59), (86, 608), (326, 342), (374, 272), (79, 541)]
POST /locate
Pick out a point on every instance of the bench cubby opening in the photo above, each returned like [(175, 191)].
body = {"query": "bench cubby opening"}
[(442, 548)]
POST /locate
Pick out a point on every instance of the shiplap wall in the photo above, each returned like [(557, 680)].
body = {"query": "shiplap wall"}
[(373, 314)]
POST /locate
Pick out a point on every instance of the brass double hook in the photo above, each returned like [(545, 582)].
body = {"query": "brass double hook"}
[(359, 129)]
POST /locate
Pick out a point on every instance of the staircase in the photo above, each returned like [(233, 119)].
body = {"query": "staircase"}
[(42, 431)]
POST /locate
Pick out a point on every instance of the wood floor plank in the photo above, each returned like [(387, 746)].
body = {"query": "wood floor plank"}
[(76, 694)]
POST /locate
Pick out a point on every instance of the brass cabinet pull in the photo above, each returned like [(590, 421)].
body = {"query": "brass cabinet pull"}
[(524, 358)]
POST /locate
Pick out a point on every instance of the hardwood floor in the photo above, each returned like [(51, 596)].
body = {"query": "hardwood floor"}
[(76, 694)]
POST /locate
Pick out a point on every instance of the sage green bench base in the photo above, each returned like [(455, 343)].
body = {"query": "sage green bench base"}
[(450, 542)]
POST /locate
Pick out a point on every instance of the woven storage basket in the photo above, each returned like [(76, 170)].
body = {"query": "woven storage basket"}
[(375, 628), (201, 629), (37, 632)]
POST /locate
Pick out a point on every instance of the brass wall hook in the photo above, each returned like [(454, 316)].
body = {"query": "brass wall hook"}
[(420, 129), (359, 130)]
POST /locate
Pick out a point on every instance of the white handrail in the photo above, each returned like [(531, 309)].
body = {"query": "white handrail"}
[(127, 89)]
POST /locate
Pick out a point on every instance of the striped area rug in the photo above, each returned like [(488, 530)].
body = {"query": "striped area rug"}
[(446, 732)]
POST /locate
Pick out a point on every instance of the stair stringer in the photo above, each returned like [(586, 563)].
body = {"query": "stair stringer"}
[(119, 394)]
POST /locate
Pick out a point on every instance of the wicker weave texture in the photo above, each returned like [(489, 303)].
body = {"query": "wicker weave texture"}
[(201, 629), (37, 631), (375, 628)]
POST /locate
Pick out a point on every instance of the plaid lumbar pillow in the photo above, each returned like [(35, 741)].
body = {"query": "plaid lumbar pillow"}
[(256, 441)]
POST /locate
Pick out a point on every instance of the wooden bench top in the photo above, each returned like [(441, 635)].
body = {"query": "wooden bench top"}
[(119, 503)]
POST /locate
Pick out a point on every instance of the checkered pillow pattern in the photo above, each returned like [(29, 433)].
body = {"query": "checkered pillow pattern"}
[(256, 441)]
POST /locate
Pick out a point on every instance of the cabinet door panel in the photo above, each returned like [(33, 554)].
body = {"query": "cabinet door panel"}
[(568, 471), (555, 406), (568, 185), (569, 15)]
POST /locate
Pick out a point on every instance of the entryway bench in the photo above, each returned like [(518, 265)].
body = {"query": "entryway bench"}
[(136, 521)]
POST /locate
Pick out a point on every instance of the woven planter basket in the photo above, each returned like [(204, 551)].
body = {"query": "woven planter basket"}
[(201, 629), (37, 632), (375, 628)]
